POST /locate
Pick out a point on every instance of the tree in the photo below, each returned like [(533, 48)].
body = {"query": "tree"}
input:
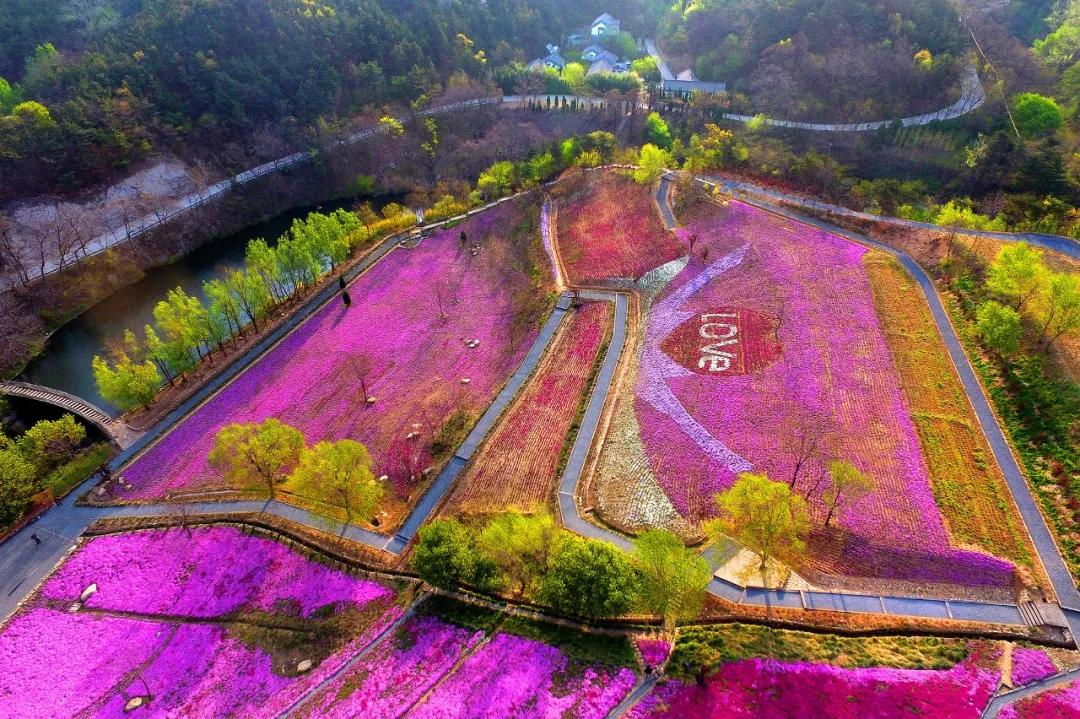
[(126, 380), (999, 326), (656, 129), (18, 483), (1035, 114), (446, 555), (1017, 274), (342, 471), (252, 454), (589, 578), (574, 75), (50, 442), (672, 579), (765, 515), (1061, 307), (496, 180), (651, 164), (521, 546), (846, 486)]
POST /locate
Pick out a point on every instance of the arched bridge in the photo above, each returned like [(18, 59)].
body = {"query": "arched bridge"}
[(114, 429)]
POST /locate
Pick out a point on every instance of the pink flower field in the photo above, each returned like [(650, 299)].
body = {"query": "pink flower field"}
[(769, 689), (1030, 665), (216, 571), (1060, 703), (395, 674), (404, 338), (757, 345), (511, 676), (167, 620)]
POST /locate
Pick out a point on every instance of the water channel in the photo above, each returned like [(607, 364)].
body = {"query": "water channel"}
[(65, 362)]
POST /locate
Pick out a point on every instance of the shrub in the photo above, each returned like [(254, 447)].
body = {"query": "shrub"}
[(589, 578)]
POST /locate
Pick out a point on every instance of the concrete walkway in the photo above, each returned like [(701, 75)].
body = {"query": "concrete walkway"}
[(972, 97), (738, 188), (1003, 700)]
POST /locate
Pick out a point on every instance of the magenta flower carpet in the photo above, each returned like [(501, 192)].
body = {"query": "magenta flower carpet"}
[(405, 340), (772, 337), (167, 622), (769, 689)]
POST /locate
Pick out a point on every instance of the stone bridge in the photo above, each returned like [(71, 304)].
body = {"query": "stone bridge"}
[(114, 429)]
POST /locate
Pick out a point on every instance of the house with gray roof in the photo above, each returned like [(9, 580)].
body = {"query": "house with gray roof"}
[(604, 25)]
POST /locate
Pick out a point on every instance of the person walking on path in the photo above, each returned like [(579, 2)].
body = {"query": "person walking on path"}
[(37, 539), (341, 282), (346, 299)]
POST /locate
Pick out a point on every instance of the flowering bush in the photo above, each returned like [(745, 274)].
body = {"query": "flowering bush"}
[(407, 341), (751, 348), (654, 652), (609, 228), (394, 675), (768, 689), (1030, 665), (517, 465), (512, 676), (1063, 703), (177, 573)]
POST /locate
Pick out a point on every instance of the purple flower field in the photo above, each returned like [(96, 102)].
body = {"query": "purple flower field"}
[(790, 351), (168, 572), (769, 689), (1030, 665), (512, 676), (181, 637), (1060, 703), (395, 674), (404, 339)]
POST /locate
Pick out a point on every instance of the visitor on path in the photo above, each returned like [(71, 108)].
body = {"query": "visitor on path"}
[(37, 539), (341, 282), (346, 299)]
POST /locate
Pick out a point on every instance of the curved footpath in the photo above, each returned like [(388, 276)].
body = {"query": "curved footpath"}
[(23, 563), (972, 97), (738, 188), (1003, 700)]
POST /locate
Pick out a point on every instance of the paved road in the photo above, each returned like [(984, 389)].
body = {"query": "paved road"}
[(1049, 553), (1058, 243), (1003, 700), (972, 97), (663, 203)]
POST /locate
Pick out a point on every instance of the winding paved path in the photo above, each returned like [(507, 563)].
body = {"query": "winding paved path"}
[(738, 188), (972, 97)]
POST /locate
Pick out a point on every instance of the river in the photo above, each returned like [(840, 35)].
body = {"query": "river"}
[(64, 363)]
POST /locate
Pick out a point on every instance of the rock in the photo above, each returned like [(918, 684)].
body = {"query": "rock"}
[(465, 380), (384, 478), (371, 400), (304, 666), (134, 703), (88, 592), (412, 435), (75, 607), (100, 491)]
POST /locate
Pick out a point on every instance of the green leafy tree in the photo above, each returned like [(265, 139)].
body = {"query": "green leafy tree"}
[(340, 473), (765, 515), (126, 379), (521, 546), (656, 129), (252, 294), (224, 304), (1060, 305), (847, 485), (589, 578), (497, 180), (51, 442), (999, 326), (251, 454), (651, 164), (446, 556), (1016, 274), (18, 484), (261, 259), (672, 579), (574, 75), (1036, 114)]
